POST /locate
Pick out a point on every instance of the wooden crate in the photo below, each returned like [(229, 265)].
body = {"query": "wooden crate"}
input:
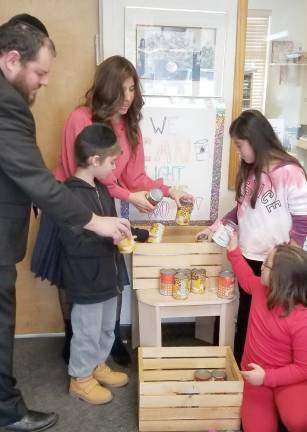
[(171, 400)]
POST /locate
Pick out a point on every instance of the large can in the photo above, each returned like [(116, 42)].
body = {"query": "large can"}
[(183, 214), (156, 233), (126, 246), (224, 232), (198, 281), (167, 279), (154, 196), (181, 286), (226, 285)]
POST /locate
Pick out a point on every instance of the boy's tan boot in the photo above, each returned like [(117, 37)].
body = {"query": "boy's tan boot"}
[(106, 376), (89, 390)]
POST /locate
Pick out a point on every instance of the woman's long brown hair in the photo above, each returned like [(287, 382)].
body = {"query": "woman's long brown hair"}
[(105, 96), (252, 126)]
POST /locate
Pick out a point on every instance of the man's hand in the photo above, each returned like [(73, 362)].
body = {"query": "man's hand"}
[(114, 227), (176, 195), (139, 200), (254, 376)]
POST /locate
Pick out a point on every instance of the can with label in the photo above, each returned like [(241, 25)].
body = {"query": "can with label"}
[(181, 286), (183, 214), (224, 232), (156, 233), (154, 196), (167, 279), (219, 374), (126, 246), (198, 280), (226, 285)]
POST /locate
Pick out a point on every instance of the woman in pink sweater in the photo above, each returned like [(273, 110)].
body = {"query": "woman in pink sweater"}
[(274, 362), (115, 100)]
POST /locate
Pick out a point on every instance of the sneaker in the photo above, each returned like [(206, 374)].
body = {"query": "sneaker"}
[(105, 375), (89, 390)]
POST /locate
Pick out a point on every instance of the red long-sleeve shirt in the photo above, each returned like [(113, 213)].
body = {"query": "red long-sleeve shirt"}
[(129, 174), (278, 345)]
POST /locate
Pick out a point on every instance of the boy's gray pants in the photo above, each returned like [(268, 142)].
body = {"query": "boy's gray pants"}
[(93, 336)]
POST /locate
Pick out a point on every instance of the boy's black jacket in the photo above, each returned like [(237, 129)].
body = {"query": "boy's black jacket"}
[(90, 263)]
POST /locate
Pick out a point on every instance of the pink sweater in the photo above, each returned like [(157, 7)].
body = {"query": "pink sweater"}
[(276, 344), (129, 174)]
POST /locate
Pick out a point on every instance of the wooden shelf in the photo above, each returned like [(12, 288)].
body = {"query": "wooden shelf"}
[(302, 144)]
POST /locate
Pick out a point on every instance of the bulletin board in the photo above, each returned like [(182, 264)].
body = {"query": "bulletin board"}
[(183, 142)]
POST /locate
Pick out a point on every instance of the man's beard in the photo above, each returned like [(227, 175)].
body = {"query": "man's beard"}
[(21, 86)]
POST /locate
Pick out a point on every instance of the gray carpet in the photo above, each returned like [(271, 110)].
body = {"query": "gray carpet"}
[(41, 375)]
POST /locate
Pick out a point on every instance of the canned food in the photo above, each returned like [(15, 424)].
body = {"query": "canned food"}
[(126, 246), (219, 375), (154, 196), (167, 279), (202, 375), (183, 214), (181, 286), (226, 285), (224, 232), (156, 232), (198, 280)]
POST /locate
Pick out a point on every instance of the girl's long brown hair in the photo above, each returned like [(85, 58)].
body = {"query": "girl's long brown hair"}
[(105, 96), (252, 126), (288, 278)]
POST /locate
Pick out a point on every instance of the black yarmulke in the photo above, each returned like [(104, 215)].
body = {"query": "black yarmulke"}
[(29, 19), (98, 134)]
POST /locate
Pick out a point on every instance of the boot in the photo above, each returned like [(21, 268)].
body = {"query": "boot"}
[(119, 351), (67, 339), (104, 375), (89, 390)]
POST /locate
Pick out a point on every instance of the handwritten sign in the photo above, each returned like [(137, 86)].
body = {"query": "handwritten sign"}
[(183, 145)]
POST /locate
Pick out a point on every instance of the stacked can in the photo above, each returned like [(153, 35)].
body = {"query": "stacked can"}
[(181, 286), (167, 280), (183, 214), (226, 285), (198, 281), (156, 233)]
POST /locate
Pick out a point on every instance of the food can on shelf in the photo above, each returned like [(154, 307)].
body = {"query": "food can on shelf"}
[(167, 279), (226, 285), (181, 286), (156, 232), (183, 214), (198, 281), (154, 196)]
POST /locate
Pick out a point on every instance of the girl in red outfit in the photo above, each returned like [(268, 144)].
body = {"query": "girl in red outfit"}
[(274, 363), (115, 100)]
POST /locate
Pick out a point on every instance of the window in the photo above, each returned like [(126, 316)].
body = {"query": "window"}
[(256, 59)]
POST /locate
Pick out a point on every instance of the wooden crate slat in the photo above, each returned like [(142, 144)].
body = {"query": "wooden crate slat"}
[(233, 365), (191, 400), (190, 413), (154, 272), (190, 387), (169, 375), (185, 363), (188, 425), (177, 260), (210, 351), (176, 248)]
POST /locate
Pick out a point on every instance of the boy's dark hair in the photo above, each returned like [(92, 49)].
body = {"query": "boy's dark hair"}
[(253, 126), (93, 140), (24, 38), (288, 278), (29, 19)]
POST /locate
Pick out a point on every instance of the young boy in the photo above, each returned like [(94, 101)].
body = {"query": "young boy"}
[(90, 271)]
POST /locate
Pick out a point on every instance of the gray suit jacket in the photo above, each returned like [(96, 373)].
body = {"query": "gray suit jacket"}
[(24, 179)]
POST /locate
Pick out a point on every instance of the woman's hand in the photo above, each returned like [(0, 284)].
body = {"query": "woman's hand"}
[(206, 234), (233, 242), (139, 200), (255, 376), (176, 195)]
